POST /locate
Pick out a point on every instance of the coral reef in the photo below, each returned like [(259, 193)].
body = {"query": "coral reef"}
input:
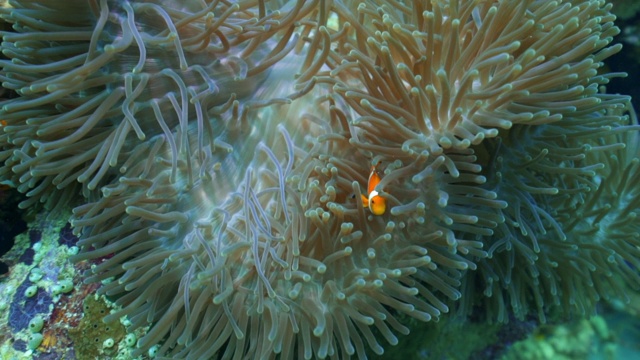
[(38, 266), (577, 340), (214, 154)]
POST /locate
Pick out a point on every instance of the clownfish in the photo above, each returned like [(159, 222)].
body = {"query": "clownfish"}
[(376, 203)]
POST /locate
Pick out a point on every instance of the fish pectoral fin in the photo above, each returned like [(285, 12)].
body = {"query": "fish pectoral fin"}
[(365, 201)]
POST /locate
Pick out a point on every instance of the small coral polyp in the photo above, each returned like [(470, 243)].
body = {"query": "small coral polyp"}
[(218, 152)]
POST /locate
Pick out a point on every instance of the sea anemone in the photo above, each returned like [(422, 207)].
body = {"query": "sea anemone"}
[(557, 249), (446, 75), (275, 249), (221, 150), (96, 78), (514, 86), (428, 82)]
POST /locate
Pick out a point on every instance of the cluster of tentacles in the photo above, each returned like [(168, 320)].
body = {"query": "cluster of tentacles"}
[(217, 151)]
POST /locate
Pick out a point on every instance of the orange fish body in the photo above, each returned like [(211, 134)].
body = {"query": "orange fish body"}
[(376, 203)]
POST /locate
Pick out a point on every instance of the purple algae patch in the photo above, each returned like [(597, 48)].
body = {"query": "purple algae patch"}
[(27, 256), (49, 356), (67, 237), (512, 332), (20, 345), (24, 308)]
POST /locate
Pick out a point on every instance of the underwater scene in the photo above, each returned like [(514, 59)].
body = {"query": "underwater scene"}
[(319, 179)]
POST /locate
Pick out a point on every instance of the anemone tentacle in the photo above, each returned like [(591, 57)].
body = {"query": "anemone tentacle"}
[(124, 72)]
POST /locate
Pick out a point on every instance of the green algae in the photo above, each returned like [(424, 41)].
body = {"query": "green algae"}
[(91, 333), (578, 339)]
